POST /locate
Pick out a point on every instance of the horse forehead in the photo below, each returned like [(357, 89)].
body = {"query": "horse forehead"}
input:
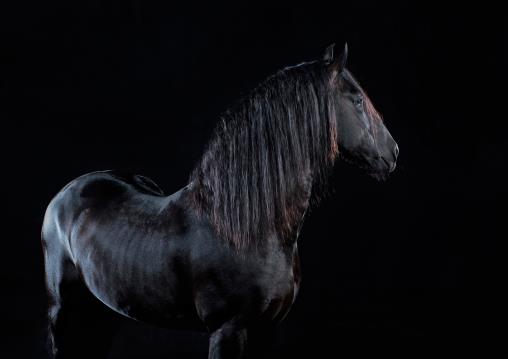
[(371, 109)]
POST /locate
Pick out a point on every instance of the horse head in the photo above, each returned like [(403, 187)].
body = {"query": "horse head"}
[(363, 138)]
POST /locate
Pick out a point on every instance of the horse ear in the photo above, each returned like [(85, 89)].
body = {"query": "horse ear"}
[(328, 54), (341, 61), (336, 65)]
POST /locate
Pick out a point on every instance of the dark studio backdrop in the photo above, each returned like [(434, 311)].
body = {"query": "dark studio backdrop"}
[(410, 267)]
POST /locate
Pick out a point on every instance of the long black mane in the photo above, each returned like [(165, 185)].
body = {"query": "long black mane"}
[(266, 154)]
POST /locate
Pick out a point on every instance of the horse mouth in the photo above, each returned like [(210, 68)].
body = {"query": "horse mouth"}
[(390, 165)]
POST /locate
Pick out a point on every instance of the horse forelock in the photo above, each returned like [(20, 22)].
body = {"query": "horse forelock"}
[(256, 169)]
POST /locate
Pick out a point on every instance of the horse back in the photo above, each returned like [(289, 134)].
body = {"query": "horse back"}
[(149, 257), (126, 242), (101, 193)]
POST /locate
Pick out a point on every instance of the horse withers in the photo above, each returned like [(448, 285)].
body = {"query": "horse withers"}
[(221, 253)]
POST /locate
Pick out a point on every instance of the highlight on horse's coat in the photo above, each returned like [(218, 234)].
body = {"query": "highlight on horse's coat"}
[(221, 253)]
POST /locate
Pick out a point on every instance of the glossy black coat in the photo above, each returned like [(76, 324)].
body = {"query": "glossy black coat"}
[(151, 258), (161, 260)]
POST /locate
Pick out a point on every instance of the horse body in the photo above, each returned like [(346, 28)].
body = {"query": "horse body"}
[(151, 258), (221, 253)]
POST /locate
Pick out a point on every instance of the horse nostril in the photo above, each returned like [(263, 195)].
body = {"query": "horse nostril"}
[(396, 151)]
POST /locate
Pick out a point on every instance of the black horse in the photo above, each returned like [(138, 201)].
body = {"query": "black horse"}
[(221, 253)]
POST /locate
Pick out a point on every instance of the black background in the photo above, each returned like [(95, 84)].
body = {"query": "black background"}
[(411, 267)]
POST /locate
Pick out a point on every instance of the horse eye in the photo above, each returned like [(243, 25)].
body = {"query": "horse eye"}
[(358, 101)]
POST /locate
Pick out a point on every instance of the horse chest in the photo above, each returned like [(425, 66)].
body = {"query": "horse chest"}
[(284, 283), (258, 288)]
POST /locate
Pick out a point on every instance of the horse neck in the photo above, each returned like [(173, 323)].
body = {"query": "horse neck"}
[(300, 197)]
